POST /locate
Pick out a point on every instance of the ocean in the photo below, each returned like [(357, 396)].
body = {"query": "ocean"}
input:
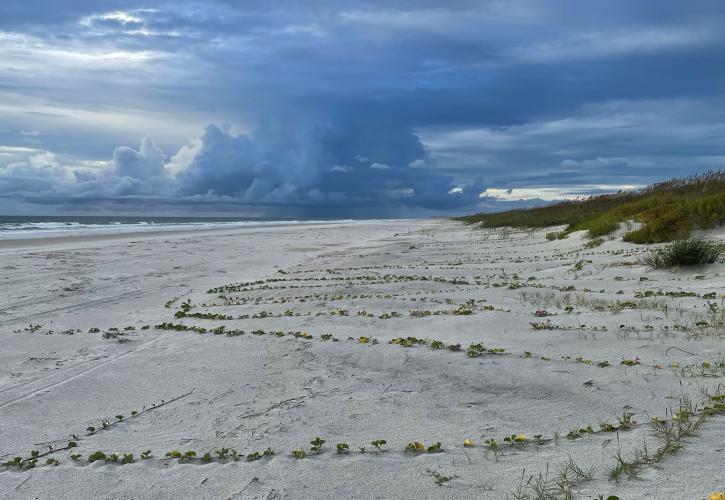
[(17, 227)]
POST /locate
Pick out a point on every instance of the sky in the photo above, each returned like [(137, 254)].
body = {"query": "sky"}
[(336, 108)]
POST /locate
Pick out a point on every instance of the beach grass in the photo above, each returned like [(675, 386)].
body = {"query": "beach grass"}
[(667, 210), (683, 253)]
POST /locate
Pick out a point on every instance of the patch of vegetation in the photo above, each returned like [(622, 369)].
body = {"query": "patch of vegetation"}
[(440, 479), (594, 243), (669, 210), (670, 436), (379, 443), (683, 253), (563, 485), (317, 445)]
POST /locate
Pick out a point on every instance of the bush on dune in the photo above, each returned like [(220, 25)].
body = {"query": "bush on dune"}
[(682, 253)]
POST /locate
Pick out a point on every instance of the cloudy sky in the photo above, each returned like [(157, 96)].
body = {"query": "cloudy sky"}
[(340, 108)]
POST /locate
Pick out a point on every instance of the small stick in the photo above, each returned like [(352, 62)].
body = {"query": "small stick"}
[(673, 347)]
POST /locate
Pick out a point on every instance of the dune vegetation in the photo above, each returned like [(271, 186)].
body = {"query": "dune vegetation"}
[(668, 211), (686, 252)]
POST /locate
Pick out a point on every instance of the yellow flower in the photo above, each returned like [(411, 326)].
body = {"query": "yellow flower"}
[(468, 442), (364, 340), (521, 438), (718, 495), (419, 446), (674, 365)]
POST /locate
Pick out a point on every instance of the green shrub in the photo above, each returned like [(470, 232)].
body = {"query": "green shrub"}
[(96, 455), (687, 252), (601, 226), (555, 235), (594, 243)]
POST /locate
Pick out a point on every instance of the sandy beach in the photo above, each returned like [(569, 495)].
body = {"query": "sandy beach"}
[(547, 356)]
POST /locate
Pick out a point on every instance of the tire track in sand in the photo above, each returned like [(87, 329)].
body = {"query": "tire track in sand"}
[(66, 377)]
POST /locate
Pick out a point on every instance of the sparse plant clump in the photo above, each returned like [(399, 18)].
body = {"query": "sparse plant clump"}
[(440, 479), (515, 439), (556, 235), (317, 445), (415, 447), (477, 350), (181, 328), (544, 325), (494, 447), (408, 341), (97, 455), (670, 435), (594, 243), (684, 253), (435, 448)]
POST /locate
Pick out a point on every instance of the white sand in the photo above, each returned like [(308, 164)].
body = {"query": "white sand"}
[(252, 392)]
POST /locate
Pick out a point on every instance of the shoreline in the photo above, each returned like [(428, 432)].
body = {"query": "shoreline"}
[(72, 240)]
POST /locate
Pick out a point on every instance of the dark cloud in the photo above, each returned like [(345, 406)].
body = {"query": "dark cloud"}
[(320, 166), (377, 105)]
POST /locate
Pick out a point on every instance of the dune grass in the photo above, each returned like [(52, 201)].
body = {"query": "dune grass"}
[(682, 253), (668, 210)]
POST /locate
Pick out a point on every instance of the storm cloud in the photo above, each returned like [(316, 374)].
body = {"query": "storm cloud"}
[(378, 107)]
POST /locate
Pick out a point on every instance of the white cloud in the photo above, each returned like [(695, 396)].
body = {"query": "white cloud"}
[(601, 162), (184, 156), (118, 16), (23, 53), (18, 150), (380, 166), (343, 169), (596, 45), (553, 193), (31, 171), (44, 159)]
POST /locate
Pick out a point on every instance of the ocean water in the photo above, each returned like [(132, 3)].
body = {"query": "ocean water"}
[(17, 227)]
